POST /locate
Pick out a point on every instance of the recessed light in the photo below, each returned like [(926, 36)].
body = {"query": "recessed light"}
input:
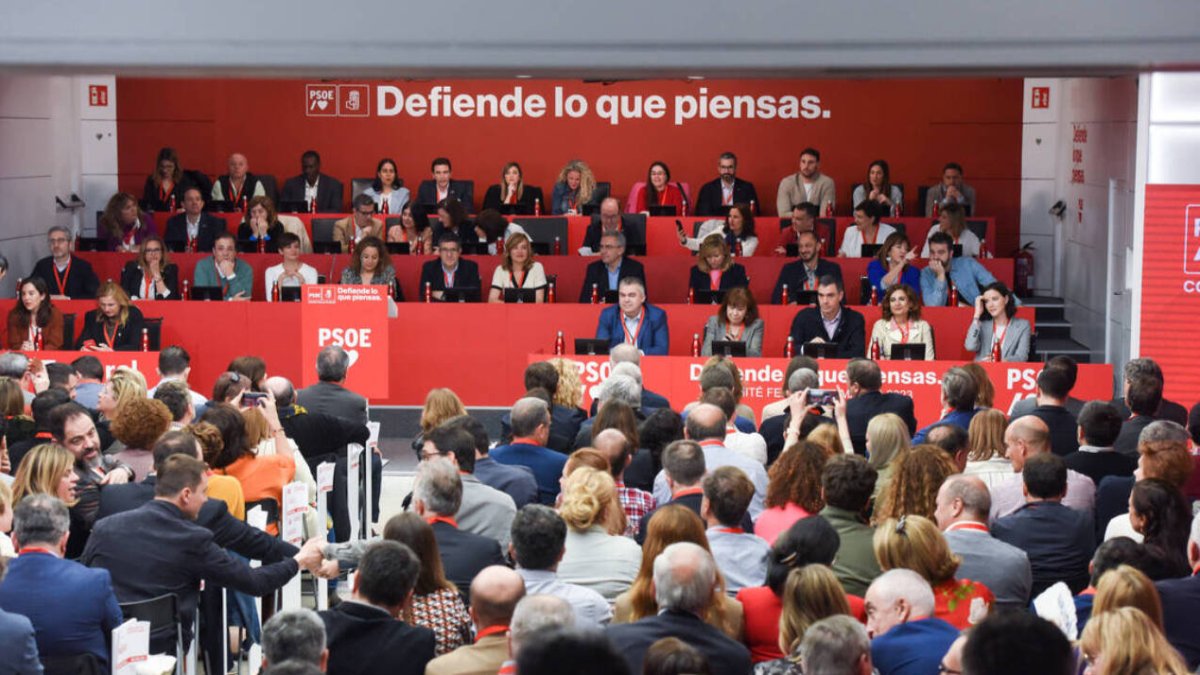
[(524, 77), (695, 77)]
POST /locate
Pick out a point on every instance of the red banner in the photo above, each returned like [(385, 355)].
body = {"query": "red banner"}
[(1170, 286), (144, 362), (354, 318), (678, 378)]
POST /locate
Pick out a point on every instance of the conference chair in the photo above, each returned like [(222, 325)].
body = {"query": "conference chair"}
[(160, 611)]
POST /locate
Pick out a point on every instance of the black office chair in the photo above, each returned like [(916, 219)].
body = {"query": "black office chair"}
[(153, 332), (69, 331), (269, 186), (322, 229), (160, 611), (359, 185)]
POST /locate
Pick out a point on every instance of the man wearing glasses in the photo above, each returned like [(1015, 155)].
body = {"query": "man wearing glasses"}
[(450, 272), (726, 190), (611, 219), (358, 225), (65, 275), (604, 274)]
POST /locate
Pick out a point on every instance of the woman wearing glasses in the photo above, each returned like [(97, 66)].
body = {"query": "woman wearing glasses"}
[(151, 276)]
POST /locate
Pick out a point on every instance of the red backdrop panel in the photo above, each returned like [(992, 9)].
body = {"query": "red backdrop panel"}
[(915, 124), (1171, 286)]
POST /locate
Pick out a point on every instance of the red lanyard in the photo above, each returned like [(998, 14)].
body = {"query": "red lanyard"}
[(572, 200), (731, 530), (225, 283), (688, 491), (490, 630), (512, 196), (712, 443), (449, 277), (998, 340), (874, 237), (518, 281), (164, 193), (35, 549), (147, 287), (735, 336), (61, 282), (109, 338), (631, 338), (442, 519), (967, 525), (237, 196), (904, 330)]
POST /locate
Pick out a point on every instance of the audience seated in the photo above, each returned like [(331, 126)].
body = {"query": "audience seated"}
[(123, 225), (610, 219), (812, 593), (806, 185), (847, 483), (21, 651), (806, 271), (1017, 642), (575, 189), (915, 479), (319, 192), (793, 489), (736, 320), (836, 644), (513, 193), (484, 510), (1143, 399), (741, 556), (864, 379), (165, 187), (239, 185), (260, 226), (634, 321), (1179, 601), (1162, 453), (1025, 438), (995, 323), (603, 275), (66, 275), (115, 325), (952, 222), (965, 274), (905, 636), (959, 392), (224, 270), (538, 544), (1099, 425), (736, 229), (716, 196), (706, 425), (595, 558), (1125, 637), (867, 230), (830, 322), (531, 422), (951, 190), (34, 323), (878, 188), (495, 592), (441, 187), (295, 635), (1167, 410), (659, 190)]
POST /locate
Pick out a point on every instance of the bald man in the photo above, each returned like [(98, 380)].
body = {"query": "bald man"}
[(495, 592), (636, 503), (962, 510), (1027, 437), (239, 183), (610, 219), (705, 424)]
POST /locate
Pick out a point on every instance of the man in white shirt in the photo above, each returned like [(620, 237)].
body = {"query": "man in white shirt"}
[(537, 546), (1026, 437), (706, 425)]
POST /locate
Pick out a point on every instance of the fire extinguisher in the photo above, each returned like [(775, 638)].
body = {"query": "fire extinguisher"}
[(1023, 276)]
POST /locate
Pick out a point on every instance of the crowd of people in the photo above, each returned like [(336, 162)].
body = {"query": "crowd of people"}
[(821, 534)]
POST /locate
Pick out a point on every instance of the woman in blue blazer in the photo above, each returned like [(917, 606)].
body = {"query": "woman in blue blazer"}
[(893, 265)]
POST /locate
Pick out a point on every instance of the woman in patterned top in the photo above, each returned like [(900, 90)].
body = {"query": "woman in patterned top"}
[(436, 603)]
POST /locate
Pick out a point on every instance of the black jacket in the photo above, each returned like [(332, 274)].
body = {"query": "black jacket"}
[(464, 554), (632, 640), (154, 549), (132, 277), (708, 203), (321, 437), (128, 338), (81, 282), (734, 277), (1127, 440), (366, 640), (795, 277), (206, 234), (462, 190), (564, 426), (466, 277), (1064, 430), (524, 206), (633, 227), (329, 192), (849, 337), (862, 408), (597, 274)]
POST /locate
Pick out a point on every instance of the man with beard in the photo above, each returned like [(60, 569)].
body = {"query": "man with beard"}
[(72, 427), (806, 272)]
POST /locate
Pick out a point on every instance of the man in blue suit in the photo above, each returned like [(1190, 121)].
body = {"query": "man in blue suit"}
[(72, 608), (634, 321), (20, 648), (531, 430)]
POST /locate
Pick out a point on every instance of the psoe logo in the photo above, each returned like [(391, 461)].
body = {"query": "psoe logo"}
[(1191, 240), (354, 100), (320, 100)]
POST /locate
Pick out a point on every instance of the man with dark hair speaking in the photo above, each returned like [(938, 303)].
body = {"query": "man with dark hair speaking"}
[(831, 322)]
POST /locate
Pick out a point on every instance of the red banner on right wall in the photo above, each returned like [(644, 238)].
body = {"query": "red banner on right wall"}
[(1170, 320)]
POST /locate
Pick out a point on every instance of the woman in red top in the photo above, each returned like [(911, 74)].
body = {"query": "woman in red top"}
[(660, 191), (916, 543), (811, 541), (262, 478)]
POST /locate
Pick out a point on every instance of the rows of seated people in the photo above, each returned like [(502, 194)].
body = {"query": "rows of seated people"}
[(819, 534), (576, 189)]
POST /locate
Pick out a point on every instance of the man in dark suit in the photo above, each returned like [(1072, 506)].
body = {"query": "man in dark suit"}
[(531, 431), (1053, 386), (610, 219), (830, 322), (863, 383), (449, 270), (1180, 598), (564, 422), (604, 274), (1099, 426), (67, 276), (437, 496), (72, 608), (442, 187), (312, 185), (1143, 398), (635, 321), (1058, 540), (684, 574), (319, 436), (517, 481), (1167, 409), (1024, 406), (194, 224), (804, 273), (158, 548), (365, 634), (20, 645), (716, 196)]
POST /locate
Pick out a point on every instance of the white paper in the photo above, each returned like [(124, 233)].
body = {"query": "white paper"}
[(354, 454), (257, 517), (325, 476), (373, 430), (295, 505), (130, 646)]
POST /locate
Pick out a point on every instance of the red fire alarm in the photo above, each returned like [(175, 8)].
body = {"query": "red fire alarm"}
[(98, 95)]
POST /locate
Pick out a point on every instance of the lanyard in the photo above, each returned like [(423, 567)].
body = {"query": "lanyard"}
[(61, 282), (448, 275), (225, 283), (518, 281), (442, 519), (714, 279), (147, 287), (874, 237), (729, 332), (35, 549), (631, 338), (110, 338), (164, 192), (687, 491), (904, 330), (730, 530), (999, 340), (237, 196), (491, 630), (967, 525)]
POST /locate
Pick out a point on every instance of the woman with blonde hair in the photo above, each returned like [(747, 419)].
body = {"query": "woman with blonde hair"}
[(1125, 641), (812, 593), (918, 476), (603, 562), (115, 324), (986, 458), (576, 188), (887, 441), (986, 395), (520, 269), (46, 469), (672, 524), (714, 269), (916, 543), (441, 404), (1127, 586), (569, 393), (615, 521)]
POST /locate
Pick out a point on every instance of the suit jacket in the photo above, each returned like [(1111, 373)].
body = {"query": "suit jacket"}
[(1180, 597), (597, 274), (862, 408), (329, 192), (464, 554), (791, 193), (850, 336), (708, 202), (1167, 410), (482, 658), (466, 276), (714, 329), (633, 639), (733, 277), (154, 550), (1127, 440), (1003, 568), (228, 532), (632, 226), (795, 276), (20, 646), (321, 437), (1058, 540), (462, 190), (546, 464), (128, 338), (1016, 340), (652, 339), (331, 398), (1099, 464), (936, 194), (516, 481), (1024, 406), (564, 427), (1064, 430), (72, 607), (366, 640), (208, 229), (132, 277), (524, 206), (81, 282)]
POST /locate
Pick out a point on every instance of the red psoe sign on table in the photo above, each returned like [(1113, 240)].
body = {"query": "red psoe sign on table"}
[(356, 319)]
